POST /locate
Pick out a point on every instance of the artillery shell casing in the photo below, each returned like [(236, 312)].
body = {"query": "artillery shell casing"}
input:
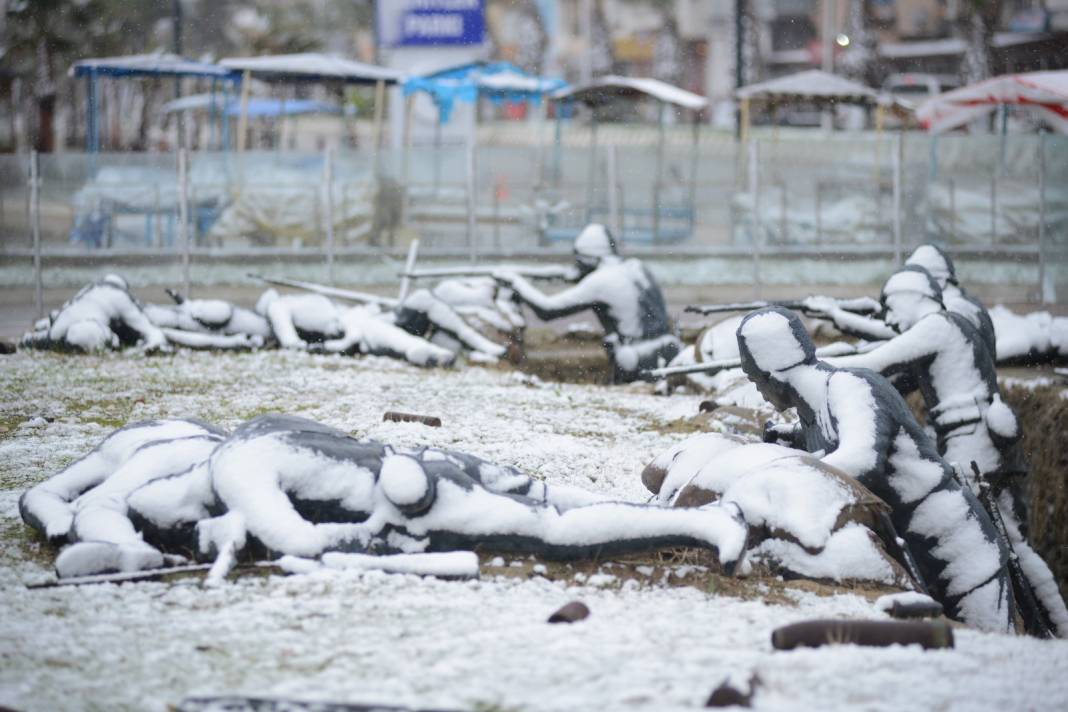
[(397, 417), (813, 634)]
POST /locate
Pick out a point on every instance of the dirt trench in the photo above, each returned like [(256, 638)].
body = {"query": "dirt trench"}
[(1043, 416)]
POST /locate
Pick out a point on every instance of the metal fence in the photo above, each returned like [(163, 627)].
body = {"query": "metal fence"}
[(799, 194)]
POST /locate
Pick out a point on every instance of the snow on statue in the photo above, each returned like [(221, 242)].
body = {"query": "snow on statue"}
[(102, 315), (209, 323), (942, 354), (1009, 337), (621, 293), (854, 421), (284, 485), (809, 518)]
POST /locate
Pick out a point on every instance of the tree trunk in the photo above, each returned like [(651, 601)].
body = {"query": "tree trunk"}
[(46, 135), (45, 92)]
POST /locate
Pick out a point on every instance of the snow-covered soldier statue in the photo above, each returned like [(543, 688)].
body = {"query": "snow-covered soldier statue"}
[(856, 421), (939, 265), (312, 322), (425, 314), (209, 323), (102, 315), (621, 293), (282, 485), (943, 355)]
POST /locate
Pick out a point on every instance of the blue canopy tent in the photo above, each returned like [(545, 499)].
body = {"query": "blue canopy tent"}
[(257, 108), (499, 82), (315, 68), (139, 65)]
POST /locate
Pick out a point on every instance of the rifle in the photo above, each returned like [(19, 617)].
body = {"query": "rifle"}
[(857, 305), (529, 271), (347, 295), (1035, 617), (838, 348)]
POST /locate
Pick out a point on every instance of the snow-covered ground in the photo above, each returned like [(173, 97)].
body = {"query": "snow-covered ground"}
[(373, 637)]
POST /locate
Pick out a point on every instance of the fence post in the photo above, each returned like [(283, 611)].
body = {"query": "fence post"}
[(783, 228), (754, 191), (35, 227), (898, 160), (406, 166), (591, 172), (819, 215), (1045, 295), (614, 219), (328, 197), (183, 217), (994, 206), (659, 179), (472, 203)]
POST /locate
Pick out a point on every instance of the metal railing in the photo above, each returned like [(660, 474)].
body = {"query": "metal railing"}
[(802, 194)]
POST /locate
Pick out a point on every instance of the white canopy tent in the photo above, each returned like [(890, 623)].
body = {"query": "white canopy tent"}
[(609, 88), (812, 86), (1045, 93)]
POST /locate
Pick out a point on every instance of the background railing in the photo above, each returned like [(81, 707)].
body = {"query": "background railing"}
[(800, 194)]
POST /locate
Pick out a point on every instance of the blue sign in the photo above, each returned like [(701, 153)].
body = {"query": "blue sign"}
[(428, 23)]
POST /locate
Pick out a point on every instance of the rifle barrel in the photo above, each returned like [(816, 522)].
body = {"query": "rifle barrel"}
[(531, 272), (348, 295), (706, 367)]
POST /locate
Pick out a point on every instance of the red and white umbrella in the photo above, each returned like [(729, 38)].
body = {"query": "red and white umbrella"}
[(1045, 93)]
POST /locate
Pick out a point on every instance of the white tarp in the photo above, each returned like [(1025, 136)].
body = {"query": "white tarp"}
[(311, 66), (811, 84), (1046, 93), (605, 88)]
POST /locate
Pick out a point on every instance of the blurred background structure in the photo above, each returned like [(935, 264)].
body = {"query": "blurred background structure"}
[(748, 160)]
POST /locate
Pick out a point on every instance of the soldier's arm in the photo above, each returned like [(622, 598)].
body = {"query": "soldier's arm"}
[(853, 409), (578, 298), (918, 344)]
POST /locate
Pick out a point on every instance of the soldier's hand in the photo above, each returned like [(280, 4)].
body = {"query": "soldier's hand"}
[(818, 305), (505, 277)]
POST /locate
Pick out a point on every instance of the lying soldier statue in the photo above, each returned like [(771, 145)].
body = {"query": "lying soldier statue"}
[(281, 485), (101, 316)]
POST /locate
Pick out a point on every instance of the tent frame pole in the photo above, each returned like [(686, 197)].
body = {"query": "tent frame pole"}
[(242, 123)]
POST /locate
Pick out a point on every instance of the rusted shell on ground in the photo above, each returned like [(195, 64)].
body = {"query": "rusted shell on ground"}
[(817, 633), (728, 696), (570, 613), (398, 417), (915, 609), (653, 478), (6, 347)]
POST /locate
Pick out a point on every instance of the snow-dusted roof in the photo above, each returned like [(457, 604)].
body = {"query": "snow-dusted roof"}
[(813, 84), (922, 48), (1046, 93), (144, 65), (311, 66), (604, 89)]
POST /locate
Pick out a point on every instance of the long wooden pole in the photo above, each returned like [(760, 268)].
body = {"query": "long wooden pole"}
[(328, 195)]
